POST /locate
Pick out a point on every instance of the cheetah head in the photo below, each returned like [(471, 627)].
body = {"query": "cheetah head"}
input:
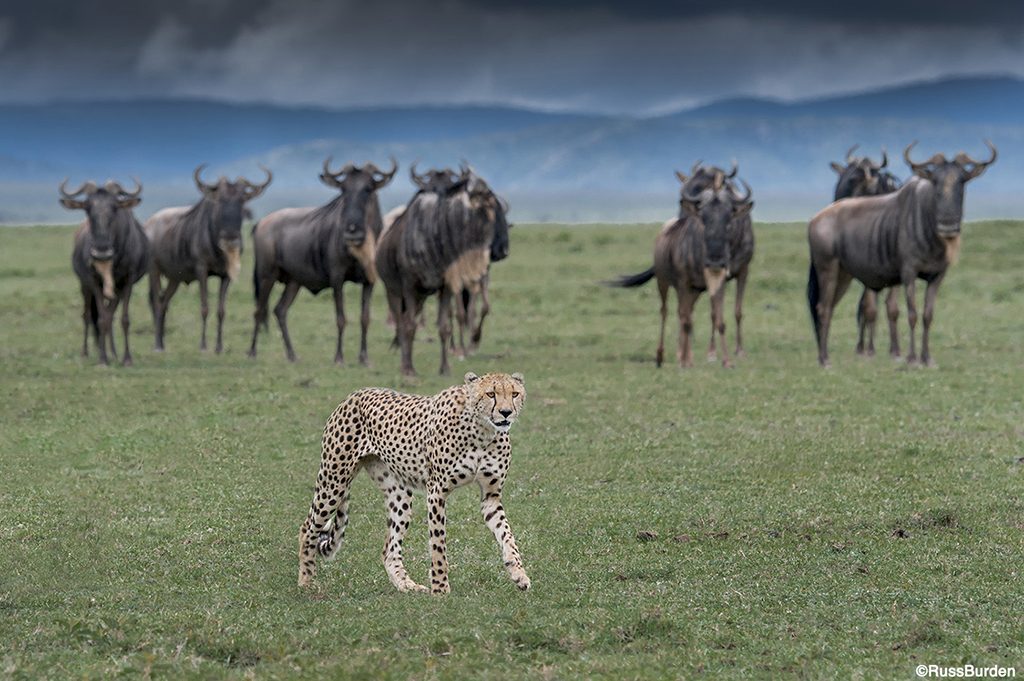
[(496, 399)]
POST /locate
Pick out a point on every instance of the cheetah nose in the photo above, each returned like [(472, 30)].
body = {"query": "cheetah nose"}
[(505, 412)]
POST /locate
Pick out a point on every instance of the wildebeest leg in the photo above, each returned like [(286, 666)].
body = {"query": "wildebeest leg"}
[(485, 308), (291, 290), (741, 285), (164, 300), (892, 308), (364, 321), (222, 296), (659, 355), (407, 318), (718, 324), (444, 325), (930, 294), (102, 325), (86, 320), (867, 313), (832, 284), (339, 318), (154, 304), (126, 297), (909, 290), (687, 299), (260, 315), (463, 299), (204, 307)]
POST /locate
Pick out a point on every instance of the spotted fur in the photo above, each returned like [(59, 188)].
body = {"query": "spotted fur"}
[(410, 442)]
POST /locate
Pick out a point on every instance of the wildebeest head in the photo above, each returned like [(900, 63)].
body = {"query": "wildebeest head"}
[(102, 206), (357, 186), (701, 177), (494, 209), (717, 206), (860, 176), (227, 205), (441, 181), (948, 179)]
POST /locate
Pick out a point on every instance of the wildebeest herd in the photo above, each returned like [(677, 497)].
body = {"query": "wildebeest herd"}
[(444, 239)]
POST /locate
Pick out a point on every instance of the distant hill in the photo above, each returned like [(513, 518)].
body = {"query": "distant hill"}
[(551, 165)]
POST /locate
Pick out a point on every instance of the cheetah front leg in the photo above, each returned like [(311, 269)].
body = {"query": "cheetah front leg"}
[(494, 515), (436, 526), (399, 503)]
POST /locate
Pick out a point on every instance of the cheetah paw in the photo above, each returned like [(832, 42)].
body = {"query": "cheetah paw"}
[(411, 586)]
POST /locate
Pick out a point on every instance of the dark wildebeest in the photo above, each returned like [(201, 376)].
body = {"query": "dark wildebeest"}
[(741, 249), (191, 243), (444, 245), (320, 248), (111, 253), (863, 177), (891, 239), (694, 253)]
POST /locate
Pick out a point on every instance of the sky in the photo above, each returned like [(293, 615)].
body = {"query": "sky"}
[(639, 58)]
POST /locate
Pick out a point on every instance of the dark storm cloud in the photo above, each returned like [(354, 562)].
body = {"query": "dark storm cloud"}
[(580, 54)]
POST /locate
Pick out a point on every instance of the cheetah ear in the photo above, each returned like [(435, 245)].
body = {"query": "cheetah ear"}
[(519, 378), (470, 377)]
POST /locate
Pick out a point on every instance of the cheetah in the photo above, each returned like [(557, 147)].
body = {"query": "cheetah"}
[(433, 444)]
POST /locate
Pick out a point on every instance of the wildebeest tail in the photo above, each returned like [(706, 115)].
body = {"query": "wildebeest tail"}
[(813, 294), (631, 280)]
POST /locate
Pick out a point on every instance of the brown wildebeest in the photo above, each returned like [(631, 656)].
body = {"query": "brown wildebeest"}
[(693, 253), (891, 239), (444, 245), (320, 248), (191, 243), (741, 249), (863, 177), (111, 253)]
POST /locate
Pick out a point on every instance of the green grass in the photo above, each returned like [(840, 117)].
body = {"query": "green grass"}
[(853, 522)]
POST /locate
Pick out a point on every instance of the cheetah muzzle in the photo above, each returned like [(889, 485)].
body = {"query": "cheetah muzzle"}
[(433, 444)]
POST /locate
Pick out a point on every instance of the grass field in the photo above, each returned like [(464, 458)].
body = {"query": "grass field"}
[(854, 523)]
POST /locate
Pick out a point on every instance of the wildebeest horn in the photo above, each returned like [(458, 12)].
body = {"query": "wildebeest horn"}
[(202, 186), (735, 169), (682, 178), (384, 177), (978, 166), (885, 159), (746, 197), (328, 176), (255, 190), (116, 188), (696, 167), (88, 187), (327, 168), (920, 167), (417, 180), (849, 153)]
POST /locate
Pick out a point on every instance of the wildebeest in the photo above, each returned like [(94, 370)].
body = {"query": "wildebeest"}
[(320, 248), (741, 250), (440, 244), (111, 253), (696, 252), (191, 243), (891, 239), (863, 177)]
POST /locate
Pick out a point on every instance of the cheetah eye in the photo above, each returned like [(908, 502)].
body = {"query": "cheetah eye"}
[(490, 394), (515, 395)]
